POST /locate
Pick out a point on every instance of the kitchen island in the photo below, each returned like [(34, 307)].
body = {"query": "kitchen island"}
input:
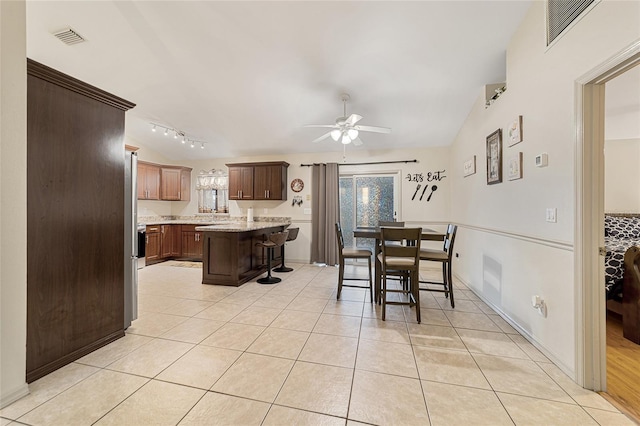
[(230, 255)]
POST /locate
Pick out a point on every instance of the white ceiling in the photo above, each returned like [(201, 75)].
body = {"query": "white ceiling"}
[(246, 76)]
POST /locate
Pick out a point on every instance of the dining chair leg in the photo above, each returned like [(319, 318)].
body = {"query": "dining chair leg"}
[(371, 291), (340, 279), (383, 295), (444, 279), (450, 285), (415, 286)]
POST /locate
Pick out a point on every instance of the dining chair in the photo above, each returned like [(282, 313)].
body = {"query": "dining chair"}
[(400, 257), (400, 275), (351, 253), (443, 256)]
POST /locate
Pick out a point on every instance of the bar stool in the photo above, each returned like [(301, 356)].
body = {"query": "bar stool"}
[(276, 239), (293, 234)]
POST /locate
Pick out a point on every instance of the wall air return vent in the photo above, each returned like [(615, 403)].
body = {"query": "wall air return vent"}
[(69, 36), (561, 13)]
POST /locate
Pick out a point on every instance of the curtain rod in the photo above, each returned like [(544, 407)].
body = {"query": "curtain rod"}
[(364, 164)]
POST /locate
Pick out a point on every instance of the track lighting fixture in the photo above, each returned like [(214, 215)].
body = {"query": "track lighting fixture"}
[(177, 134)]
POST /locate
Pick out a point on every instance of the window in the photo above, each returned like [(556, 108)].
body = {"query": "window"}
[(365, 200)]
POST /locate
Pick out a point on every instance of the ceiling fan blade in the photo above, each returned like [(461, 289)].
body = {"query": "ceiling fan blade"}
[(357, 141), (373, 129), (322, 125), (353, 119), (321, 138)]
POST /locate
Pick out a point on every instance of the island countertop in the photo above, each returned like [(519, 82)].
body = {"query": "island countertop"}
[(240, 226)]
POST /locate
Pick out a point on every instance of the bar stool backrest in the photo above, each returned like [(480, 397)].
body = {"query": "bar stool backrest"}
[(279, 238)]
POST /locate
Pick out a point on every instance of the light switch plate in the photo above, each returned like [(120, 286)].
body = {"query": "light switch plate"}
[(307, 211), (551, 214)]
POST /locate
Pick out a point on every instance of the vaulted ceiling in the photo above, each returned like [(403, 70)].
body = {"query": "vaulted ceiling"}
[(245, 77)]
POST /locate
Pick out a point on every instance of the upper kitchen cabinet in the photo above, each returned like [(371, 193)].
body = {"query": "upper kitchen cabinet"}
[(176, 183), (258, 181), (148, 181), (240, 182)]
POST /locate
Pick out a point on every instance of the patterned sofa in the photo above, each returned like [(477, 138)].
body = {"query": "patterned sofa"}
[(620, 233)]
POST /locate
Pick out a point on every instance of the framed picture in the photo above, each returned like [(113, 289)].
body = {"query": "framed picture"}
[(514, 131), (494, 157), (515, 167), (469, 167)]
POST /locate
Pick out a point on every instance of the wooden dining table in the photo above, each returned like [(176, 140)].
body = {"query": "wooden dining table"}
[(374, 232)]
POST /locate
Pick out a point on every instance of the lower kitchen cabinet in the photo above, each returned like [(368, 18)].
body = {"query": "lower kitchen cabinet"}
[(170, 241), (153, 243), (191, 242)]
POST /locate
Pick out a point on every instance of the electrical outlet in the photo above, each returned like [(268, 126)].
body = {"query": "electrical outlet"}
[(551, 214)]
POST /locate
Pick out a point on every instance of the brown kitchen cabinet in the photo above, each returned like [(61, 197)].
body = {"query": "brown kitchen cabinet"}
[(170, 241), (148, 181), (258, 181), (191, 242), (240, 182), (153, 242), (269, 182), (175, 183)]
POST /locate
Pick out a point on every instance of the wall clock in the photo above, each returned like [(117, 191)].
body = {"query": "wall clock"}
[(297, 185)]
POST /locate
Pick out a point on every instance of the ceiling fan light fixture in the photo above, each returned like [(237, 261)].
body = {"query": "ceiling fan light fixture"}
[(335, 134), (353, 133), (346, 140)]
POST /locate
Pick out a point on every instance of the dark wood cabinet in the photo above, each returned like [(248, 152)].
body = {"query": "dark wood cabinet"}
[(75, 219), (191, 242), (176, 240), (176, 183), (166, 241), (258, 181), (240, 183), (270, 182), (153, 243), (148, 181)]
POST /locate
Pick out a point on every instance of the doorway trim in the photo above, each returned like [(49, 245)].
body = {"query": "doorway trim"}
[(591, 371)]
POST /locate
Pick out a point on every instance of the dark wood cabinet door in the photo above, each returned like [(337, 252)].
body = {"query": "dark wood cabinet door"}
[(185, 185), (268, 182), (171, 180), (148, 181), (152, 246), (166, 240), (241, 183), (176, 239)]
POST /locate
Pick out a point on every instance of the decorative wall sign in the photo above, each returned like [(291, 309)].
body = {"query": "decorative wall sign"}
[(297, 185), (514, 131), (515, 167), (423, 179), (469, 167), (494, 157)]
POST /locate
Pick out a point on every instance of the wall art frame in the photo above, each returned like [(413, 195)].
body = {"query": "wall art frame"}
[(515, 167), (494, 157), (469, 167), (514, 131)]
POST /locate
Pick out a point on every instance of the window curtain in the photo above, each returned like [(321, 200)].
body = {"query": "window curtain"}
[(325, 214)]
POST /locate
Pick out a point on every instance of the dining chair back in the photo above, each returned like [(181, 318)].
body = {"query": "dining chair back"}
[(443, 256), (351, 253), (405, 258), (391, 224)]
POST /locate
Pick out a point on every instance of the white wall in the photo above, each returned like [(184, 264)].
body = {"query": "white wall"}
[(622, 176), (508, 251), (435, 213), (13, 202)]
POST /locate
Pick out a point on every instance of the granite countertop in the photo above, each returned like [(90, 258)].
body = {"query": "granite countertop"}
[(186, 222), (240, 226)]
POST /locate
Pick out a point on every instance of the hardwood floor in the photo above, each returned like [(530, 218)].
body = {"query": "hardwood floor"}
[(623, 367)]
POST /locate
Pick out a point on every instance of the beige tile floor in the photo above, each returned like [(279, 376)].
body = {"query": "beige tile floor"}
[(291, 354)]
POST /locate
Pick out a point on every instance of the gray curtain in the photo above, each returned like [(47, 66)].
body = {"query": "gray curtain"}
[(325, 195)]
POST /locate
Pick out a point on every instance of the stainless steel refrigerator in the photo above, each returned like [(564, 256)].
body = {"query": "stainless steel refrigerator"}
[(131, 239)]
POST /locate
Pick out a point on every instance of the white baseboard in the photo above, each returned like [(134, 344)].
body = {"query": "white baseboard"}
[(12, 396), (531, 339)]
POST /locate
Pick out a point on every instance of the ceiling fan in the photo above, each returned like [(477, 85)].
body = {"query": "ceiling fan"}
[(345, 129)]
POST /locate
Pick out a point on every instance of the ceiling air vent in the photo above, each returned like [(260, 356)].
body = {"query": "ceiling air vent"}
[(561, 13), (69, 36)]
